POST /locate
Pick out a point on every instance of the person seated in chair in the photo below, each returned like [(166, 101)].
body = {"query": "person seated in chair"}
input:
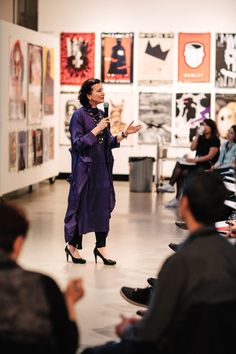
[(202, 271), (35, 317)]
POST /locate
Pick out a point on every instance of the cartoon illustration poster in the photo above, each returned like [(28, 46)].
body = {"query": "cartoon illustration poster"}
[(155, 53), (226, 60), (68, 104), (35, 83), (17, 75), (48, 81), (120, 113), (225, 112), (155, 113), (117, 58), (191, 110), (77, 57), (194, 57)]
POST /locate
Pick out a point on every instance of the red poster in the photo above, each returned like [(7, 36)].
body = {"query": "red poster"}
[(194, 57), (77, 57)]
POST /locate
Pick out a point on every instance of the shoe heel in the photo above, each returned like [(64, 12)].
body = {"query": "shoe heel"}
[(67, 256), (95, 256)]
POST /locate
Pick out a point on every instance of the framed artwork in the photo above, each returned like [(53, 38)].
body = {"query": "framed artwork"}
[(77, 57), (22, 150), (191, 110), (31, 148), (51, 143), (35, 84), (39, 146), (194, 57), (225, 112), (155, 53), (117, 57), (45, 144), (226, 60), (120, 113), (155, 114), (17, 79), (68, 104), (12, 151), (48, 81)]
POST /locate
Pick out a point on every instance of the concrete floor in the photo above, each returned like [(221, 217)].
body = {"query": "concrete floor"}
[(141, 229)]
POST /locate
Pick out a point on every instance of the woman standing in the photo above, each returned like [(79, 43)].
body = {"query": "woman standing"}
[(91, 196), (206, 143)]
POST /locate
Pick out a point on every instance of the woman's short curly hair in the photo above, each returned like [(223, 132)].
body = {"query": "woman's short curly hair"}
[(85, 90)]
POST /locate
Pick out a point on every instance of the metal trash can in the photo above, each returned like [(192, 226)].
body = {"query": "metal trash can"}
[(140, 173)]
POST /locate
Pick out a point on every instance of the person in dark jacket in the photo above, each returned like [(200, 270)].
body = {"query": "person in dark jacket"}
[(91, 196), (35, 317), (201, 273)]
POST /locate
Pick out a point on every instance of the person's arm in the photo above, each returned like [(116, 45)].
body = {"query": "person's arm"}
[(64, 327), (165, 303), (194, 143), (212, 152), (130, 129), (80, 140)]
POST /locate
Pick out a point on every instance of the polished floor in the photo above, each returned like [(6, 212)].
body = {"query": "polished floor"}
[(141, 229)]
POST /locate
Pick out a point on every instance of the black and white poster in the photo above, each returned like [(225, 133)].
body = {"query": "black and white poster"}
[(68, 104), (226, 60), (155, 63), (155, 117), (191, 110)]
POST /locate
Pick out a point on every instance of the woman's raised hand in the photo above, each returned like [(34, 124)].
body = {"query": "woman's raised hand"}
[(131, 129)]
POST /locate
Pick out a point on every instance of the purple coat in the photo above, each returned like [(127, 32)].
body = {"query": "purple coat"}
[(91, 196)]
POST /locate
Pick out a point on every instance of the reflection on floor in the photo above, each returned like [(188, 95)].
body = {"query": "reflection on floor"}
[(140, 231)]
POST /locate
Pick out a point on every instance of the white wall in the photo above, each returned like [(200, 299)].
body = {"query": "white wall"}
[(57, 16)]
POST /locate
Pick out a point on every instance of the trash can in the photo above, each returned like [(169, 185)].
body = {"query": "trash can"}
[(140, 173)]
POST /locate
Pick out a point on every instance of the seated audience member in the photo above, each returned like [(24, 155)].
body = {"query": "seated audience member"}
[(227, 153), (35, 317), (202, 272), (206, 144)]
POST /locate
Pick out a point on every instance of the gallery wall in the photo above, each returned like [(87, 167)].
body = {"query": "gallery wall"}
[(28, 107), (210, 16)]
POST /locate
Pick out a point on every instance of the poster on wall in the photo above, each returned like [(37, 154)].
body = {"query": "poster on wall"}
[(51, 143), (117, 57), (31, 148), (155, 63), (225, 112), (39, 146), (45, 144), (22, 150), (194, 57), (17, 79), (226, 60), (68, 104), (34, 84), (120, 113), (155, 117), (77, 57), (12, 151), (191, 110), (48, 81)]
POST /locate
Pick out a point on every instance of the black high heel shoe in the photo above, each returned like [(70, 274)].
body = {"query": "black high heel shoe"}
[(74, 259), (105, 260)]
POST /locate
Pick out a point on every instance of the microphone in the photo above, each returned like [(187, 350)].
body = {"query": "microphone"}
[(106, 109), (106, 112)]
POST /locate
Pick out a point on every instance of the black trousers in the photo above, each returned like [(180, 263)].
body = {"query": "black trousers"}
[(100, 240)]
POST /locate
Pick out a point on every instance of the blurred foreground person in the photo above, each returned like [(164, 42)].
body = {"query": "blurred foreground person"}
[(35, 317)]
